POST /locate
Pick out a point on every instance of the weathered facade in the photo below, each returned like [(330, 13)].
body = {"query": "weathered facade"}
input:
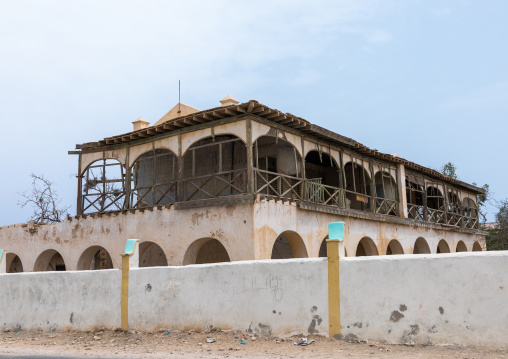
[(244, 181)]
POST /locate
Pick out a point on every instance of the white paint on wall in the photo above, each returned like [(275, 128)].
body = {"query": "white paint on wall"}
[(270, 297), (457, 298)]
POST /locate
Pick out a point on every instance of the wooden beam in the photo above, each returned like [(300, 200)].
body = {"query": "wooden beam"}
[(251, 106), (241, 109), (229, 112), (218, 114)]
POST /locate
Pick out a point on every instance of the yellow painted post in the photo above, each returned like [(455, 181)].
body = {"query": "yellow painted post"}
[(3, 261), (129, 259), (334, 246)]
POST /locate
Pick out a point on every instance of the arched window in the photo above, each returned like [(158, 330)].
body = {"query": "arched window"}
[(415, 194), (443, 247), (95, 258), (49, 260), (358, 189), (323, 179), (461, 247), (394, 247), (103, 187), (154, 176), (206, 250), (215, 167), (277, 168)]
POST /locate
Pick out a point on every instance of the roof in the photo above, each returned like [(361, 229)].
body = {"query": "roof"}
[(179, 110), (287, 119)]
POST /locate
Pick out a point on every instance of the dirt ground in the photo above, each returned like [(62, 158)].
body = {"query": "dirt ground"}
[(102, 343)]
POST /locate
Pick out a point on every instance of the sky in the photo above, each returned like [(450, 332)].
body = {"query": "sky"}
[(427, 80)]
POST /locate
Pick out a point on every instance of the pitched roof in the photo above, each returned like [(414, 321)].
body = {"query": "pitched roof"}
[(287, 119)]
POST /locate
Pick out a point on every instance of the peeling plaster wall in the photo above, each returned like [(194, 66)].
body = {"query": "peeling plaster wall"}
[(427, 299), (274, 217), (173, 230), (60, 300), (267, 297)]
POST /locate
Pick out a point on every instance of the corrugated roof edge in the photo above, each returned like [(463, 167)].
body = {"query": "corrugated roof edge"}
[(287, 119)]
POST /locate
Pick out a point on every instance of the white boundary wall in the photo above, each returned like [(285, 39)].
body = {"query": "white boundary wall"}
[(459, 298)]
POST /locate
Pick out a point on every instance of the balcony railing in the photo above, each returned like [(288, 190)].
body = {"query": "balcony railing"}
[(225, 183)]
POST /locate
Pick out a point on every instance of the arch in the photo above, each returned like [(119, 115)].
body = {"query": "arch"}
[(151, 255), (366, 247), (276, 155), (394, 247), (95, 258), (49, 260), (320, 165), (14, 264), (215, 167), (470, 213), (477, 247), (443, 247), (205, 250), (287, 245), (103, 187), (357, 186), (421, 246), (154, 178), (461, 247)]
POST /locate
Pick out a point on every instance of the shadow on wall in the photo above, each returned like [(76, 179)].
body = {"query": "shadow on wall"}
[(49, 260)]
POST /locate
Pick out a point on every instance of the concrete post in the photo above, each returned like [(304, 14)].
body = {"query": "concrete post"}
[(3, 261), (401, 188), (335, 250), (130, 259)]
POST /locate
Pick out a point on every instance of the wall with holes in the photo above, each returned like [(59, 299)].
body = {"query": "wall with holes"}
[(457, 298)]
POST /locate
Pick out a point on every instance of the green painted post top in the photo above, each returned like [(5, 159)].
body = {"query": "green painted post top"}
[(2, 254), (336, 230), (129, 247)]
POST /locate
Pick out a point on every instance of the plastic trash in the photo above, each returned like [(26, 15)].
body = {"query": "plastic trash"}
[(303, 342), (210, 340), (242, 342), (167, 333), (15, 331)]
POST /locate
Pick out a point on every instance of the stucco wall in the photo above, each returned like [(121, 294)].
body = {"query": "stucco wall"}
[(60, 300), (277, 297), (457, 298), (427, 299)]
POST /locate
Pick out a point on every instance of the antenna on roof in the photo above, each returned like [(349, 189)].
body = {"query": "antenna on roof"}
[(179, 111)]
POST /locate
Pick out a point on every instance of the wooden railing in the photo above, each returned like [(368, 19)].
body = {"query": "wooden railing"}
[(455, 215), (276, 184), (215, 185)]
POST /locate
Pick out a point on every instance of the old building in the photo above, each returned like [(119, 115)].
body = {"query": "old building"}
[(239, 182)]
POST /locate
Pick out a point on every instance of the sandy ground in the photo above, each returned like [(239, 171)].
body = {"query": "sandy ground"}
[(101, 343)]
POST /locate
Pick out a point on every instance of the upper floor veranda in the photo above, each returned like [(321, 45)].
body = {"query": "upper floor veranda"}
[(231, 152)]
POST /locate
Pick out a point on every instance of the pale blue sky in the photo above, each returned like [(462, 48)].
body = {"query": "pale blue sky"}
[(427, 80)]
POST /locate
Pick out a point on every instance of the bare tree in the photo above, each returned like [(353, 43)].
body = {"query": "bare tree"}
[(44, 201)]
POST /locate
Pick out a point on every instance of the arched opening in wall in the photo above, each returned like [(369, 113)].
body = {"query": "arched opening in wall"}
[(215, 167), (386, 193), (323, 179), (14, 264), (394, 247), (358, 189), (95, 258), (470, 213), (477, 247), (49, 260), (103, 187), (366, 247), (154, 179), (151, 255), (289, 244), (461, 247), (442, 247), (277, 166), (421, 246), (206, 250)]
